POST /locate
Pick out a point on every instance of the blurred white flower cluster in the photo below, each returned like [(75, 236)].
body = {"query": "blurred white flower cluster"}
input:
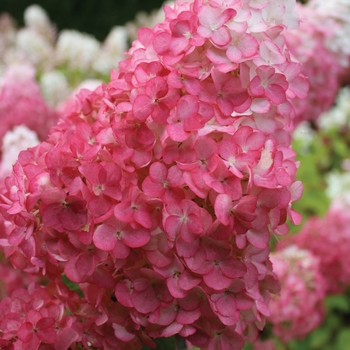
[(14, 141), (338, 118), (338, 188), (41, 70), (304, 134), (338, 23), (62, 60), (339, 115), (79, 51)]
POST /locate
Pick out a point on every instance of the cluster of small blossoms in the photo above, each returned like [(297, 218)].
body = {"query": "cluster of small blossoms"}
[(55, 87), (21, 102), (80, 56), (35, 318), (32, 44), (320, 64), (14, 141), (329, 239), (12, 279), (298, 309), (158, 192), (338, 187), (48, 315), (338, 117), (80, 51), (336, 18)]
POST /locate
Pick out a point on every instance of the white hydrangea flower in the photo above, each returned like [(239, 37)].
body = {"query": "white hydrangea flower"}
[(304, 134), (15, 141), (116, 41), (332, 8), (36, 17), (338, 184), (281, 12), (34, 48), (337, 12), (112, 51), (77, 50), (54, 87), (339, 115)]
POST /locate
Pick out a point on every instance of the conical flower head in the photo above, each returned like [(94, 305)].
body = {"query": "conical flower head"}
[(162, 187)]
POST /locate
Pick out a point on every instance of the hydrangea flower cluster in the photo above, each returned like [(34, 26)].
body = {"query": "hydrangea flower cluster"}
[(14, 141), (338, 117), (39, 44), (21, 102), (33, 319), (82, 52), (329, 239), (12, 279), (336, 14), (299, 307), (61, 60), (157, 194), (321, 65)]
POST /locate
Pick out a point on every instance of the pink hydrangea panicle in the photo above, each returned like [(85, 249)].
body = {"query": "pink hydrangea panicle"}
[(35, 318), (299, 307), (156, 194), (322, 66), (329, 234), (21, 102)]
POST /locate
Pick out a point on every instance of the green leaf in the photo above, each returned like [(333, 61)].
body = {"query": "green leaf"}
[(343, 340), (320, 337), (333, 322), (163, 344), (297, 344), (72, 285), (248, 346), (338, 302)]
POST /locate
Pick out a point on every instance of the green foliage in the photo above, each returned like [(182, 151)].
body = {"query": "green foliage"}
[(338, 302), (72, 285), (248, 346), (75, 77), (163, 344), (324, 153), (314, 164), (343, 340)]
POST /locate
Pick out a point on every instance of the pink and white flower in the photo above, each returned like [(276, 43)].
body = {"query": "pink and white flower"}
[(157, 193)]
